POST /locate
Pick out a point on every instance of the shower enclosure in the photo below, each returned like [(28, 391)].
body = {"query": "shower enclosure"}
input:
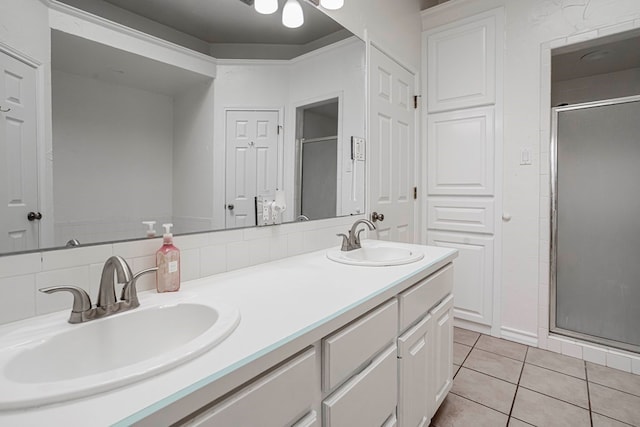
[(595, 222)]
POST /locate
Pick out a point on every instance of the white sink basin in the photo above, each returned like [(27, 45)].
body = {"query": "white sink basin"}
[(79, 360), (376, 254)]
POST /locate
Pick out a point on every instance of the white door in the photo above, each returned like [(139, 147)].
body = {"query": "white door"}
[(252, 163), (18, 156), (392, 147)]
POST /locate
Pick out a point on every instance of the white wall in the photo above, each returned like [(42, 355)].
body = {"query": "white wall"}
[(338, 71), (598, 87), (532, 28), (394, 25), (193, 159), (130, 131), (242, 85)]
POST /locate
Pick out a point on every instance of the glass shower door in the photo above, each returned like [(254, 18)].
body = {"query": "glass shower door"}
[(595, 265)]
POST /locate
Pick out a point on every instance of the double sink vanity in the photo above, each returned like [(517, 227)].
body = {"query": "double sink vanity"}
[(303, 341)]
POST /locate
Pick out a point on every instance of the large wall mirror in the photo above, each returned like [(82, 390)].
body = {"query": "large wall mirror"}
[(136, 138)]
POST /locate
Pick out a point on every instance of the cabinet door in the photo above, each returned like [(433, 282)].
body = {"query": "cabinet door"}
[(414, 356), (473, 278), (461, 66), (442, 351)]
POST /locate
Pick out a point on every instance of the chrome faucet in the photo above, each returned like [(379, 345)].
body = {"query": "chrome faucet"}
[(115, 266), (352, 241)]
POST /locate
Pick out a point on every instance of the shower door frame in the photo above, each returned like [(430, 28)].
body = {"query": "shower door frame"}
[(553, 253)]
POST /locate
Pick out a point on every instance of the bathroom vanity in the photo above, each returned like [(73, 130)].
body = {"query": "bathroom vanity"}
[(319, 343)]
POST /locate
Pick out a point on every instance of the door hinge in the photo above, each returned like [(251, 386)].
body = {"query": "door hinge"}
[(415, 193), (415, 101), (278, 129)]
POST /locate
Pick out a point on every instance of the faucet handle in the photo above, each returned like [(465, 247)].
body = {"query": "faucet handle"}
[(345, 242), (81, 301), (129, 291)]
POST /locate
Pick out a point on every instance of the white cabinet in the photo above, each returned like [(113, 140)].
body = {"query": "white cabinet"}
[(463, 62), (346, 350), (367, 399), (443, 350), (390, 367), (474, 278), (278, 399), (461, 65), (461, 152), (415, 347)]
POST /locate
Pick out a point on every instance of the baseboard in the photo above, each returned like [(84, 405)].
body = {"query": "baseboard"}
[(517, 335), (472, 326)]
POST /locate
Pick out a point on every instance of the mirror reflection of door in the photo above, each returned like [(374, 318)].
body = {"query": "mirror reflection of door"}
[(252, 163), (18, 155), (317, 136)]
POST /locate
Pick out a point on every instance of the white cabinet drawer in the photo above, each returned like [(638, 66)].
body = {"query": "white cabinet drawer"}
[(310, 420), (348, 349), (474, 215), (369, 398), (417, 300), (278, 399)]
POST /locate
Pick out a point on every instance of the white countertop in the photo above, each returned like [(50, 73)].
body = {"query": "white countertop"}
[(285, 306)]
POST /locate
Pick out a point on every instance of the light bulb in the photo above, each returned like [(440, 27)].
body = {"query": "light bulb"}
[(266, 7), (292, 16), (332, 4)]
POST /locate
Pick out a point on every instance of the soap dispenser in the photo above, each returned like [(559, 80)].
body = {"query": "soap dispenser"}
[(151, 232), (168, 263)]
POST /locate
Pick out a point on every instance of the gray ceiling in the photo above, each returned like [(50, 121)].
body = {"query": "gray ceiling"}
[(231, 21), (623, 54)]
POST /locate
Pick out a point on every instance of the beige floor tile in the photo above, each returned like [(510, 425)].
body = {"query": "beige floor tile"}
[(483, 389), (457, 411), (614, 378), (456, 368), (502, 347), (460, 352), (514, 422), (493, 364), (541, 410), (555, 384), (615, 404), (465, 336), (602, 421), (556, 362)]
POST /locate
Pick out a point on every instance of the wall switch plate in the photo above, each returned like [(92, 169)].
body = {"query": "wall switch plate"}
[(357, 148), (525, 156)]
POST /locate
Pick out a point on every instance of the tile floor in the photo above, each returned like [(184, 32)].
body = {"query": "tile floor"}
[(499, 383)]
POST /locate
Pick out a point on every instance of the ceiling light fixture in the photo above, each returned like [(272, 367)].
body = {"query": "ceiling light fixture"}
[(595, 55), (292, 16), (266, 7), (332, 4)]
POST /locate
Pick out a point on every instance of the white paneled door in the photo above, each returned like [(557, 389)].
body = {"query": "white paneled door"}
[(18, 156), (392, 147), (252, 163)]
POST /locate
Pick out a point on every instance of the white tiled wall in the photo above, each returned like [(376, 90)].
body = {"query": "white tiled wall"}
[(201, 255)]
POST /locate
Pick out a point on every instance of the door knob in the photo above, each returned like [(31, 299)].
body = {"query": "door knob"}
[(377, 217), (230, 206), (32, 216)]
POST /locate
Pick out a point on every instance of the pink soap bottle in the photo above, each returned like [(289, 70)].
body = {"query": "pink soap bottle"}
[(168, 263)]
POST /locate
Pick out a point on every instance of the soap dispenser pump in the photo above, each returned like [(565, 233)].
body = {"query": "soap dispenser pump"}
[(168, 263)]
